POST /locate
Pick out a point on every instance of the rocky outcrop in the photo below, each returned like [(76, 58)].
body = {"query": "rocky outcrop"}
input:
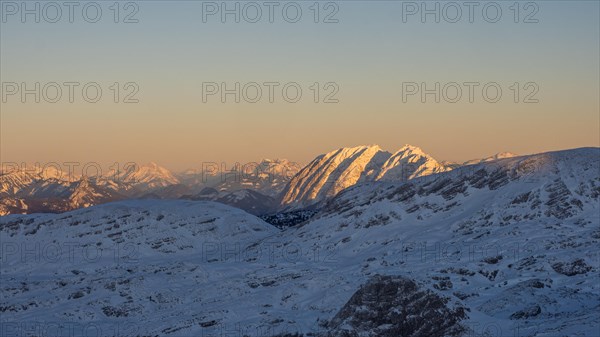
[(395, 306)]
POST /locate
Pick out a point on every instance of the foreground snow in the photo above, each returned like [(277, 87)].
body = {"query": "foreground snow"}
[(514, 242)]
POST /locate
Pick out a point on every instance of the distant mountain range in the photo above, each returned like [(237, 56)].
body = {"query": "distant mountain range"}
[(30, 190), (265, 187)]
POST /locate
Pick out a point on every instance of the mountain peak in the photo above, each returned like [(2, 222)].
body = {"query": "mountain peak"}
[(409, 162), (499, 155), (410, 147), (152, 166), (411, 150), (330, 173), (150, 175), (373, 147)]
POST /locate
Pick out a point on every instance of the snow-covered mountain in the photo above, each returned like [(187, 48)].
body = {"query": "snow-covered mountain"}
[(514, 241), (286, 182), (50, 190), (330, 173), (268, 176), (147, 177), (408, 163), (500, 248), (29, 180), (33, 190), (84, 193)]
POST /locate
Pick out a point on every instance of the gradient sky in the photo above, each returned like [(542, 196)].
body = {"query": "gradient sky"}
[(369, 53)]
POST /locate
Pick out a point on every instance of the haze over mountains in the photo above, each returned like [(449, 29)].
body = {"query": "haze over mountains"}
[(500, 248)]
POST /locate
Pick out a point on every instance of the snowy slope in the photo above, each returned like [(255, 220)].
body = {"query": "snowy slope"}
[(133, 261), (500, 155), (504, 238), (513, 242), (407, 163)]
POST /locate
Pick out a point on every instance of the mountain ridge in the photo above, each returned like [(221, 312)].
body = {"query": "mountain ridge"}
[(291, 187)]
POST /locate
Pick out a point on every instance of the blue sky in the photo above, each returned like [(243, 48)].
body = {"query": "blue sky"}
[(369, 54)]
